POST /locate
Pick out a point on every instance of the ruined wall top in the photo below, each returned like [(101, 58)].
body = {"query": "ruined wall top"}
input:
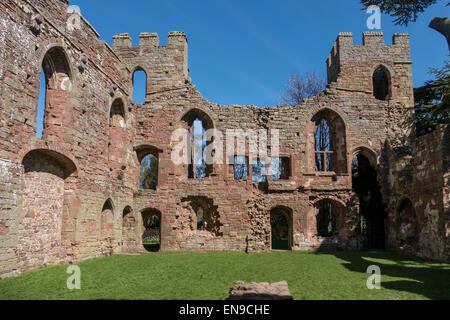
[(373, 49), (166, 67), (148, 40)]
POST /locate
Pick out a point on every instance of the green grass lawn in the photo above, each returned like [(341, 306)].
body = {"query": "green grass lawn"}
[(181, 275)]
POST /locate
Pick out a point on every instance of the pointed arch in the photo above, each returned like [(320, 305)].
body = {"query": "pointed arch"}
[(56, 82), (281, 223), (106, 237), (139, 79), (368, 153), (407, 226), (117, 110), (197, 122), (328, 140), (371, 208)]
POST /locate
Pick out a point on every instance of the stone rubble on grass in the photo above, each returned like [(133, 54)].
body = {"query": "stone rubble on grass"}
[(260, 291)]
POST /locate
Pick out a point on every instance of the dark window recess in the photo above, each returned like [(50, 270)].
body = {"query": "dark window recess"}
[(280, 168), (326, 219), (380, 84)]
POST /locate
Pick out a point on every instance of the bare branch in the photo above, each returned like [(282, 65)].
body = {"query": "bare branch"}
[(300, 87)]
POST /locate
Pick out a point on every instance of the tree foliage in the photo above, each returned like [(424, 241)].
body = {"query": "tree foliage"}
[(300, 87), (432, 101), (149, 172), (403, 11)]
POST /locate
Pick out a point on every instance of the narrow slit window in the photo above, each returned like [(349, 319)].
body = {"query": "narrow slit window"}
[(139, 86), (41, 105)]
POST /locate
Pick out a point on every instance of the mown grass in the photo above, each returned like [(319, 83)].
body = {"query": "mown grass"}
[(209, 276)]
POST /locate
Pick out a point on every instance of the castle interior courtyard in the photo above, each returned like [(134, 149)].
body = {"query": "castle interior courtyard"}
[(93, 175)]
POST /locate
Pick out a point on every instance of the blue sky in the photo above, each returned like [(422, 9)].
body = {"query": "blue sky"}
[(241, 51)]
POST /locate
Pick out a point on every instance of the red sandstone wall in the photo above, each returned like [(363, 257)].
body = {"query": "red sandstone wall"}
[(99, 161)]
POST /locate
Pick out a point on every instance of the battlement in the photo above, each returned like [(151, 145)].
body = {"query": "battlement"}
[(373, 49), (165, 66), (371, 38), (149, 40)]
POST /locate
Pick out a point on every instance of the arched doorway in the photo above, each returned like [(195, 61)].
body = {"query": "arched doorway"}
[(328, 140), (372, 209), (151, 237), (280, 228), (407, 228)]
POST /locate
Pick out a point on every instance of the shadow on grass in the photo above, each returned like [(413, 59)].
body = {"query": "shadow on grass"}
[(419, 276)]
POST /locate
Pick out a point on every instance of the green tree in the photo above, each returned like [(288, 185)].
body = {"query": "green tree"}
[(300, 87), (404, 11), (432, 101), (149, 172)]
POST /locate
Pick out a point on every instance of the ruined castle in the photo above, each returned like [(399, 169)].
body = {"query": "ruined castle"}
[(74, 193)]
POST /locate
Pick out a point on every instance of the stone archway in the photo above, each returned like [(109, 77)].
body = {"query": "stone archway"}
[(407, 227), (371, 207), (151, 235), (281, 228)]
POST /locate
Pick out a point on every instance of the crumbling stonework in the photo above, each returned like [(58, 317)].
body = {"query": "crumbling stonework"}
[(74, 193), (260, 291)]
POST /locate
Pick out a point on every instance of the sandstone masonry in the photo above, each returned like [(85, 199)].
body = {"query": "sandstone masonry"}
[(74, 193)]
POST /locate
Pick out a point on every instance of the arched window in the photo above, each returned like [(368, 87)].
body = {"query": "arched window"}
[(329, 142), (149, 173), (126, 217), (117, 139), (139, 86), (41, 105), (54, 85), (148, 157), (117, 114), (380, 81), (197, 123), (326, 219), (198, 146)]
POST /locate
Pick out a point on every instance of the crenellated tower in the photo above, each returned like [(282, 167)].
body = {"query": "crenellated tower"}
[(357, 68), (166, 67)]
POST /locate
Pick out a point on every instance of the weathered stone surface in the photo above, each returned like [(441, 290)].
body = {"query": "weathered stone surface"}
[(260, 291), (74, 194)]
